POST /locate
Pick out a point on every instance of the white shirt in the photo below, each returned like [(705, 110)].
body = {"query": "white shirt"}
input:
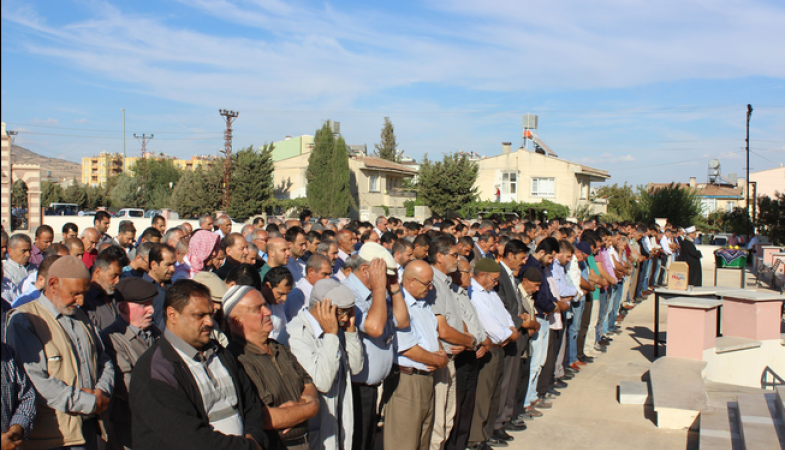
[(665, 243), (494, 316), (574, 275), (278, 319)]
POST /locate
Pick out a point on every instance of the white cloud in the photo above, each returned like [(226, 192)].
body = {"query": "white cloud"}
[(47, 121), (82, 120)]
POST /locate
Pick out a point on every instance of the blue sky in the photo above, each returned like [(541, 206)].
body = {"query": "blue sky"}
[(649, 91)]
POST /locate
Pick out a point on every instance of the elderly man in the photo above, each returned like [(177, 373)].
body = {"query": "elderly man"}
[(18, 401), (377, 317), (282, 384), (187, 392), (278, 254), (409, 412), (126, 339), (381, 226), (90, 238), (693, 257), (206, 222), (324, 340), (17, 267), (443, 256), (173, 236), (59, 348), (139, 265), (259, 239), (101, 223), (224, 224), (317, 268), (466, 367), (99, 302), (329, 249), (44, 235), (501, 330), (345, 239), (236, 248)]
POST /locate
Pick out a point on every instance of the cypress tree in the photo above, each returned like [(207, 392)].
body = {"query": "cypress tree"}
[(447, 184), (319, 189), (340, 178), (388, 147), (252, 181)]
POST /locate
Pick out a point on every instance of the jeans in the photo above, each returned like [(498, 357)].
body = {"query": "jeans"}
[(572, 332), (539, 352), (615, 304), (643, 283), (657, 266), (600, 325)]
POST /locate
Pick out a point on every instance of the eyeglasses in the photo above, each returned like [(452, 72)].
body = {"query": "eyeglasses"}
[(428, 285), (454, 255), (344, 311)]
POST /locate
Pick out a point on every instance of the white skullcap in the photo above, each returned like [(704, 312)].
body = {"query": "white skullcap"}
[(690, 229), (371, 250)]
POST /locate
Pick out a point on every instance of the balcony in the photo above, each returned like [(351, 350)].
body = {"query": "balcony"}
[(400, 192)]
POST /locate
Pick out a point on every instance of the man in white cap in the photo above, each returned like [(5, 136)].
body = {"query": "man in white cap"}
[(693, 257), (380, 310), (324, 339)]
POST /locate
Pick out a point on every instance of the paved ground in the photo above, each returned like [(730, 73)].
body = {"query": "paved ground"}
[(588, 414)]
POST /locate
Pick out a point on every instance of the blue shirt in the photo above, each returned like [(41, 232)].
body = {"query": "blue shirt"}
[(563, 285), (378, 352), (422, 331)]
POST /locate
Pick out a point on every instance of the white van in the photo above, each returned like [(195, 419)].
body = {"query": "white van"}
[(130, 213)]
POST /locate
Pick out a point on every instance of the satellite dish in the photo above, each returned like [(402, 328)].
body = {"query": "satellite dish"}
[(714, 163)]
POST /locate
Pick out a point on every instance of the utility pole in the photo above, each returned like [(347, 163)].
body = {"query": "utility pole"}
[(229, 116), (123, 110), (142, 164), (749, 222), (11, 134)]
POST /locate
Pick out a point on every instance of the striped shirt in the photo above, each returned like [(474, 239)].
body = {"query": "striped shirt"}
[(18, 395)]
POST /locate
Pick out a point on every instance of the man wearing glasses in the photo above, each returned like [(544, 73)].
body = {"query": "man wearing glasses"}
[(443, 256), (140, 264), (409, 412)]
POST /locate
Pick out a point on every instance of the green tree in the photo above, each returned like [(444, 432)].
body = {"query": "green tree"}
[(771, 217), (681, 205), (96, 196), (388, 147), (328, 175), (156, 177), (252, 181), (447, 184), (19, 194), (188, 193), (50, 193), (75, 193), (125, 193), (623, 202)]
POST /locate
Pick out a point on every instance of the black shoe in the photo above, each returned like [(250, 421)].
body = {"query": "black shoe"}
[(570, 370), (515, 425), (586, 359), (567, 377), (479, 446), (554, 392), (494, 442), (548, 396), (502, 435), (608, 338), (558, 384)]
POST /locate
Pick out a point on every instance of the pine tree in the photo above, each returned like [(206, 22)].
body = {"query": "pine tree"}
[(75, 193), (388, 147), (447, 184), (188, 193), (252, 181), (50, 193), (19, 194), (328, 190)]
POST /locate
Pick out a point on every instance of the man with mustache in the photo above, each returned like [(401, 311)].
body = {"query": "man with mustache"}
[(126, 339), (187, 392), (283, 385), (99, 302), (59, 348)]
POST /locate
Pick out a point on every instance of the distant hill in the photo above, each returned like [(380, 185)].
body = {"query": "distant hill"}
[(59, 168)]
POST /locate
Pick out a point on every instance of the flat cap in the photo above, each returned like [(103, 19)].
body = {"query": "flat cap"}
[(135, 290), (487, 265), (320, 290), (371, 250), (216, 285), (341, 296), (533, 275), (69, 267)]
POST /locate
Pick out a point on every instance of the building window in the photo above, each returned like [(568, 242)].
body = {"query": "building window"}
[(509, 183), (543, 187), (373, 183), (709, 205), (730, 206)]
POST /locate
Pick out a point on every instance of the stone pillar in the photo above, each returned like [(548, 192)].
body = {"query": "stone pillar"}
[(752, 314), (5, 183), (692, 326)]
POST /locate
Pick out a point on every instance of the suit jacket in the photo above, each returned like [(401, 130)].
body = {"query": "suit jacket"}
[(507, 292), (125, 347)]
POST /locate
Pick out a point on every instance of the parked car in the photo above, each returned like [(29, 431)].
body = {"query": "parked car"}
[(130, 213), (62, 209)]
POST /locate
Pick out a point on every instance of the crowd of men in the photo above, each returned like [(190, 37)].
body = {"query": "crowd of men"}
[(311, 334)]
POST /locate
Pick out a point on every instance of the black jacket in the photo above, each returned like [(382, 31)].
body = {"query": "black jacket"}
[(167, 408), (693, 258), (506, 290)]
